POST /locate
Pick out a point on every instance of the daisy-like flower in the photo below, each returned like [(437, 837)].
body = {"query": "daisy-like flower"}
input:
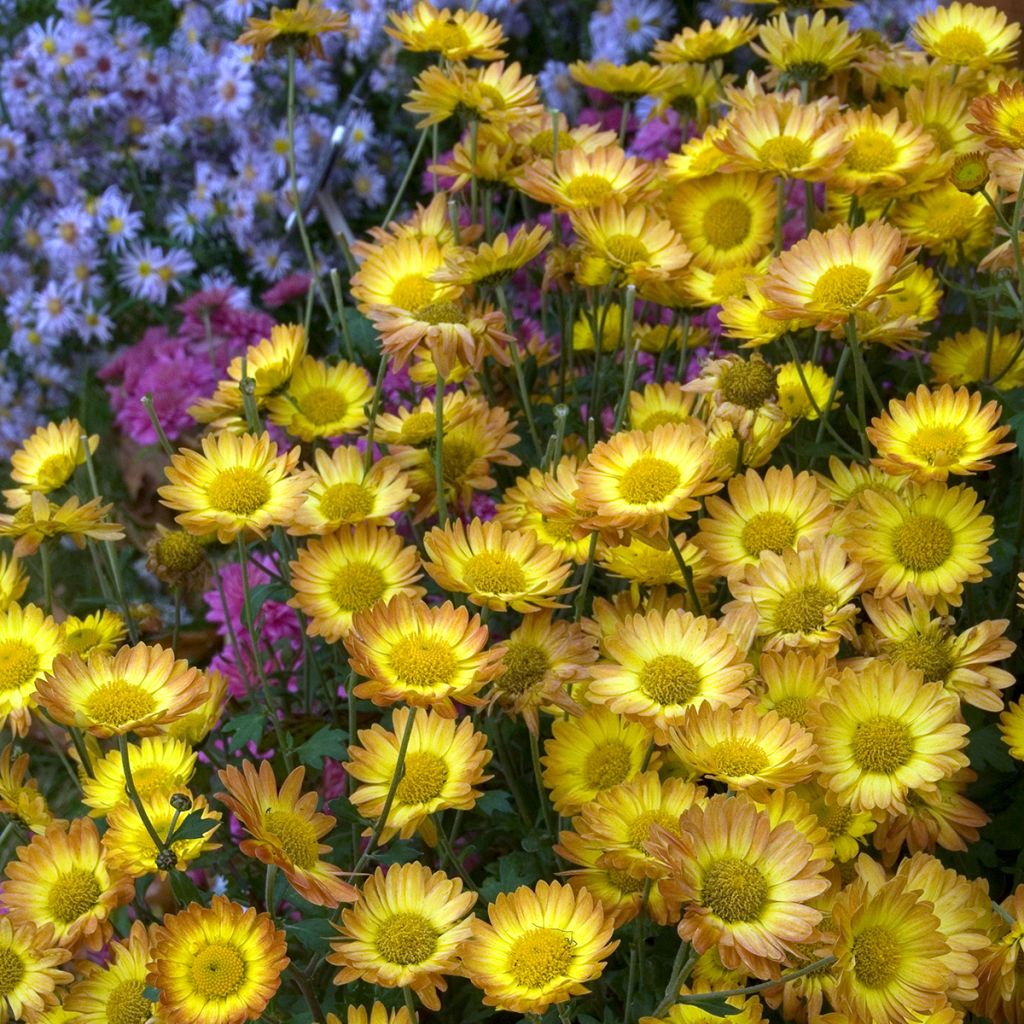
[(538, 947), (400, 274), (345, 492), (806, 49), (620, 894), (844, 827), (443, 764), (426, 656), (743, 391), (803, 598), (926, 536), (770, 513), (580, 179), (497, 568), (967, 35), (13, 581), (31, 960), (724, 219), (691, 90), (378, 1013), (662, 664), (46, 461), (884, 732), (29, 643), (947, 221), (805, 390), (138, 690), (589, 755), (492, 263), (540, 661), (322, 400), (998, 116), (286, 830), (962, 358), (745, 316), (639, 480), (404, 931), (220, 964), (745, 883), (658, 404), (790, 684), (648, 565), (159, 765), (349, 571), (631, 241), (62, 880), (19, 795), (932, 434), (706, 42), (178, 558), (622, 81), (1011, 728), (102, 632), (40, 520), (496, 94), (456, 35), (298, 28), (744, 748), (195, 726), (1000, 970), (889, 951), (114, 993), (825, 278), (237, 486)]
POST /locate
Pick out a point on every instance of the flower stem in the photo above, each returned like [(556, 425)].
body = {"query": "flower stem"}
[(133, 794), (413, 161), (639, 927), (517, 366), (44, 562), (442, 501), (628, 304), (780, 212), (763, 986), (147, 404), (453, 858), (687, 572), (268, 889), (538, 777), (588, 574), (860, 372)]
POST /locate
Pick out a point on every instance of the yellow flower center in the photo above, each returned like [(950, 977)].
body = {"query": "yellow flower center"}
[(25, 516), (726, 222), (543, 143), (152, 778), (737, 757), (734, 890), (12, 970), (970, 170), (179, 551), (768, 531), (624, 881), (793, 708), (938, 446), (413, 292), (357, 586), (922, 543), (218, 971), (748, 384), (876, 957), (540, 956), (457, 456), (626, 249), (346, 503), (296, 836), (442, 36), (930, 654), (588, 190), (119, 703), (82, 640), (961, 45), (128, 1005), (662, 416), (841, 287), (239, 490), (418, 428), (837, 821), (669, 679), (19, 665), (444, 312), (323, 405), (803, 610), (55, 471), (730, 281), (955, 219), (607, 765), (406, 938), (73, 894), (785, 152), (881, 745), (639, 829), (871, 152), (492, 572), (424, 778), (648, 481), (526, 665), (423, 662)]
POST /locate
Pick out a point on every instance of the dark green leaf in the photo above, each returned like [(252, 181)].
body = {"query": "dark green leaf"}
[(245, 729), (716, 1007), (194, 826), (312, 932), (184, 889), (327, 742), (495, 801)]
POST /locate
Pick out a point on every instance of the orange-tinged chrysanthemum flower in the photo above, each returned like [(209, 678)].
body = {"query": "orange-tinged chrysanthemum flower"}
[(286, 830), (1000, 971), (883, 732), (40, 520), (492, 263), (349, 571), (443, 764), (159, 764), (195, 726), (947, 221), (793, 682), (114, 992), (497, 568), (967, 35), (495, 94), (139, 689), (579, 179), (103, 631), (456, 35), (538, 947), (399, 274), (300, 28), (405, 931), (427, 656), (658, 404), (932, 434), (1000, 116), (63, 880), (322, 400), (237, 486), (31, 962), (47, 460), (745, 884), (220, 964), (705, 42), (19, 793), (29, 643)]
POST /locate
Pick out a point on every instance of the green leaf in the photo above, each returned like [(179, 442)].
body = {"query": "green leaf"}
[(274, 591), (716, 1007), (194, 826), (327, 742), (150, 993), (245, 729), (495, 801), (184, 889), (312, 932)]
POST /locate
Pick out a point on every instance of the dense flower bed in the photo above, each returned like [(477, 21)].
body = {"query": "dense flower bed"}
[(572, 574)]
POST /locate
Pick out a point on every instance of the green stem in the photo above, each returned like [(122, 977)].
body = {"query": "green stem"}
[(860, 372), (382, 369), (133, 794), (44, 561), (628, 303), (410, 1005), (683, 961), (763, 986), (309, 995), (517, 366), (639, 927), (442, 500), (413, 161), (538, 777), (268, 890), (588, 574), (510, 776), (691, 587), (451, 857), (177, 618), (147, 404)]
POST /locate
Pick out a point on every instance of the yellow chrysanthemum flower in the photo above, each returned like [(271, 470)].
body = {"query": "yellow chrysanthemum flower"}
[(622, 897), (930, 537), (705, 42), (967, 35), (31, 962), (29, 642), (139, 689), (691, 90), (623, 81), (579, 179), (64, 881), (378, 1013), (349, 571), (883, 732), (102, 632), (220, 964), (456, 35), (745, 316), (657, 404), (405, 931), (538, 947), (1011, 728), (443, 764), (399, 274), (745, 1011), (804, 393), (948, 222), (322, 400), (654, 564), (844, 827), (159, 764), (492, 94), (41, 520), (962, 358), (1000, 116), (195, 726), (497, 568), (298, 28), (698, 157), (588, 755), (792, 683), (114, 993), (662, 664), (19, 795), (492, 263), (806, 49), (13, 581), (286, 830), (426, 656), (47, 460)]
